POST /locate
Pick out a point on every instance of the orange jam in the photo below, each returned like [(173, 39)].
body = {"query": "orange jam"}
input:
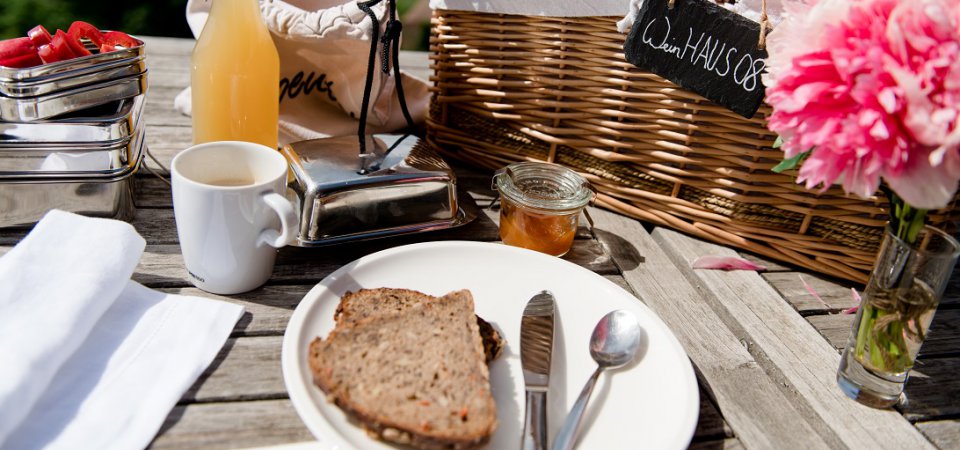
[(540, 205), (548, 233)]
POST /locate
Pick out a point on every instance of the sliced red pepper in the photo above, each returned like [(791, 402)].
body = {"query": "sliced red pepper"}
[(27, 60), (75, 45), (81, 29), (119, 39), (107, 48), (11, 48), (58, 49), (39, 36)]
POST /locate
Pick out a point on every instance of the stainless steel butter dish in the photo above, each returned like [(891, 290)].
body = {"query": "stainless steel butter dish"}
[(25, 109), (24, 202), (408, 189), (109, 123)]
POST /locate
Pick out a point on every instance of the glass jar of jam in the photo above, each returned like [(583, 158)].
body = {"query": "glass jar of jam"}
[(540, 205)]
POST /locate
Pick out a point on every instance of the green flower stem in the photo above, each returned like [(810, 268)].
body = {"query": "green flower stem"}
[(883, 331), (906, 220)]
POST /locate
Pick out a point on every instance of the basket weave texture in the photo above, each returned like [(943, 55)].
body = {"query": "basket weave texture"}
[(513, 88)]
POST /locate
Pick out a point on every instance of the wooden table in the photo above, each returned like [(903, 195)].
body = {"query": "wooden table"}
[(765, 350)]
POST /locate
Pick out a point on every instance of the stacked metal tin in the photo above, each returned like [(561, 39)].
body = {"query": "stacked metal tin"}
[(71, 136)]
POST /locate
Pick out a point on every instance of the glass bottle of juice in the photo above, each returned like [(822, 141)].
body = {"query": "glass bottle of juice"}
[(235, 76)]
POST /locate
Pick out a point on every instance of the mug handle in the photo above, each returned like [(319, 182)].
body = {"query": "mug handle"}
[(289, 221)]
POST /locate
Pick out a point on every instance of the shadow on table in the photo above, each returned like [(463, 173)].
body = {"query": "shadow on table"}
[(623, 251), (932, 389), (190, 396)]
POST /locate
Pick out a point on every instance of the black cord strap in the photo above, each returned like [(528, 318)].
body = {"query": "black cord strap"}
[(361, 132), (391, 42)]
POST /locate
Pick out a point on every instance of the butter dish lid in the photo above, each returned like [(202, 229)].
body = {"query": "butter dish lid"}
[(403, 187)]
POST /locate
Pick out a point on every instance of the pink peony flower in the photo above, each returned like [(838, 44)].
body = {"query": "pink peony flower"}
[(873, 88)]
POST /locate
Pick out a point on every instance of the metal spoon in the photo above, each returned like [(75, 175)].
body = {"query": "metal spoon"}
[(614, 343)]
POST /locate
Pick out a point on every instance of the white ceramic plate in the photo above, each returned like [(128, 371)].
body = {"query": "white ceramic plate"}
[(652, 403)]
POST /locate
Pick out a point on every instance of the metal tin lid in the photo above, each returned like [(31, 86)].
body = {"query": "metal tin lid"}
[(119, 175), (542, 186), (83, 64), (28, 109), (107, 71), (110, 159), (99, 126)]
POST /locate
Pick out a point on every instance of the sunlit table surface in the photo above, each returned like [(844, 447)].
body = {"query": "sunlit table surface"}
[(765, 351)]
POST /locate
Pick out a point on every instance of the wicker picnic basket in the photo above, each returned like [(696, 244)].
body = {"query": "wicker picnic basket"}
[(509, 88)]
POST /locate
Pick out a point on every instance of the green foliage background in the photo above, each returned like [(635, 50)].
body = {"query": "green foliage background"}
[(137, 17), (153, 17)]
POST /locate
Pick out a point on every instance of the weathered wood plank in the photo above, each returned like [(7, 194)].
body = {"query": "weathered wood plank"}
[(836, 296), (153, 192), (790, 349), (769, 264), (231, 425), (162, 264), (165, 141), (933, 389), (267, 310), (710, 423), (835, 328), (944, 434), (951, 295), (168, 70), (157, 226), (724, 444), (249, 369), (159, 108), (274, 422), (157, 45), (246, 368), (759, 413), (943, 339)]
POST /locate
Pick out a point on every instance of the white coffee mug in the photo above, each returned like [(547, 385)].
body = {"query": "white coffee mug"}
[(231, 213)]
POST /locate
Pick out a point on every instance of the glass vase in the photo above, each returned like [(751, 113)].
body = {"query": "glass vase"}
[(894, 317)]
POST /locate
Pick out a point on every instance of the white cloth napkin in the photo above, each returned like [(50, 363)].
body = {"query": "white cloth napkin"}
[(89, 358)]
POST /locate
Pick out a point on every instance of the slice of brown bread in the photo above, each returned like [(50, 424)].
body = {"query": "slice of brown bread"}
[(375, 302), (415, 376)]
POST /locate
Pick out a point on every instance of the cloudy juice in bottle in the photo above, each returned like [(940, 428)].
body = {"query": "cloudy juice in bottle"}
[(235, 76)]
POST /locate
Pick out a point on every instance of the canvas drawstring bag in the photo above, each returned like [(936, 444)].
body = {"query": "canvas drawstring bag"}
[(324, 47)]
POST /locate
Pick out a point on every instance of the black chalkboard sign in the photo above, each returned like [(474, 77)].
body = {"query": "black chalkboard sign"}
[(701, 47)]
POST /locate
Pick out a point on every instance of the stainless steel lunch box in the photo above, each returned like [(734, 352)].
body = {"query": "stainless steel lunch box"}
[(81, 161), (72, 136), (10, 76), (108, 123), (25, 109), (410, 189), (25, 201), (62, 81), (50, 90), (62, 153)]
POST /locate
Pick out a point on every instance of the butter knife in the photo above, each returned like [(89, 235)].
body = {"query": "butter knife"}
[(536, 348)]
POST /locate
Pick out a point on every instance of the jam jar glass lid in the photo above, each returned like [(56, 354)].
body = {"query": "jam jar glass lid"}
[(543, 186)]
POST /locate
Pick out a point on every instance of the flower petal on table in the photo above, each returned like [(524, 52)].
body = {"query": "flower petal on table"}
[(813, 292), (856, 298), (725, 263)]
